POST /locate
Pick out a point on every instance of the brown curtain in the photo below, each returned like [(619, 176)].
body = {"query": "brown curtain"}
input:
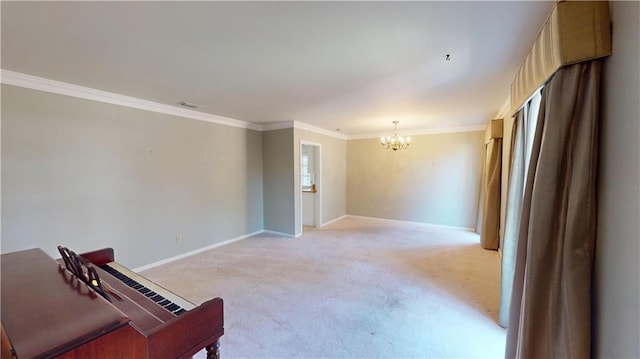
[(550, 312), (490, 226)]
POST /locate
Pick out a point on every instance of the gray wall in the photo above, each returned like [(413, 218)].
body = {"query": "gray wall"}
[(88, 175), (334, 175), (279, 190), (436, 180), (617, 268)]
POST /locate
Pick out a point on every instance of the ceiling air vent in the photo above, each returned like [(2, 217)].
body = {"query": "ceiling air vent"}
[(188, 105)]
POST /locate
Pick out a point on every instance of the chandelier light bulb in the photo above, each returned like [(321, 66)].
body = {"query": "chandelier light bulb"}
[(394, 141)]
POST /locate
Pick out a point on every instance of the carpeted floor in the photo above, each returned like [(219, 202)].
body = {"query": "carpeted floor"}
[(356, 288)]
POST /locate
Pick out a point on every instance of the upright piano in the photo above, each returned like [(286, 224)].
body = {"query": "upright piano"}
[(89, 306)]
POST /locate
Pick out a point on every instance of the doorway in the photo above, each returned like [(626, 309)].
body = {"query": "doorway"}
[(310, 185)]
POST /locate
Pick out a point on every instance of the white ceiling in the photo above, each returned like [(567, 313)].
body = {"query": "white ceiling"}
[(355, 66)]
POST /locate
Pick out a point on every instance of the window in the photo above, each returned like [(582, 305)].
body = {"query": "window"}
[(305, 174)]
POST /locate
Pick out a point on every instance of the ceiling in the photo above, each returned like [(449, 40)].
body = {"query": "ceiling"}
[(353, 66)]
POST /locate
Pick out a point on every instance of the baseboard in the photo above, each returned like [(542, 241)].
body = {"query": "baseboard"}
[(440, 226), (190, 253), (282, 234), (334, 220), (288, 235)]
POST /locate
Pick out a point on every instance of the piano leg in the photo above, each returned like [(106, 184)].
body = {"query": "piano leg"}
[(213, 350)]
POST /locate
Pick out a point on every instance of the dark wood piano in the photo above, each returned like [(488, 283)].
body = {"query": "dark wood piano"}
[(47, 312)]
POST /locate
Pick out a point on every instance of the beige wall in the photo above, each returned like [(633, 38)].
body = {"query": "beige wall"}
[(334, 175), (279, 194), (617, 267), (87, 175), (282, 192), (436, 180)]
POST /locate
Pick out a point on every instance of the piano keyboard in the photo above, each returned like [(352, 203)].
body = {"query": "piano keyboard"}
[(164, 298)]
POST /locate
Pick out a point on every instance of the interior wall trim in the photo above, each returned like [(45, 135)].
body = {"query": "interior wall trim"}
[(67, 89), (333, 220), (504, 111), (302, 126), (434, 226), (433, 131), (62, 88), (322, 131), (196, 251), (280, 234), (277, 125)]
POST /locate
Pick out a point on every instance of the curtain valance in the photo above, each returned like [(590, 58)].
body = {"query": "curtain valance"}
[(494, 130), (575, 31)]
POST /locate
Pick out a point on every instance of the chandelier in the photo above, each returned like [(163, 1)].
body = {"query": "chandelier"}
[(394, 141)]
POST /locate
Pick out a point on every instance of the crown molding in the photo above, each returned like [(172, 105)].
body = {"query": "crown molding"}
[(67, 89), (504, 110), (322, 131), (432, 131), (277, 125), (302, 126), (62, 88)]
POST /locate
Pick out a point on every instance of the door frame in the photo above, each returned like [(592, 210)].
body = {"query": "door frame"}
[(317, 208)]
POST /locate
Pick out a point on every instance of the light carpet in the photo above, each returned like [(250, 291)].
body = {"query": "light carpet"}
[(356, 288)]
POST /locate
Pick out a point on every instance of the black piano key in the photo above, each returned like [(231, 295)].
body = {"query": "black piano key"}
[(162, 301), (172, 307)]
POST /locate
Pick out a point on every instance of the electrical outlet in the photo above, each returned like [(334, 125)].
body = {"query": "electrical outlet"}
[(385, 208), (178, 238)]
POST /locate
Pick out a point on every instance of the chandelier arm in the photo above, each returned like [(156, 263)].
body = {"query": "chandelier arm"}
[(394, 141)]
